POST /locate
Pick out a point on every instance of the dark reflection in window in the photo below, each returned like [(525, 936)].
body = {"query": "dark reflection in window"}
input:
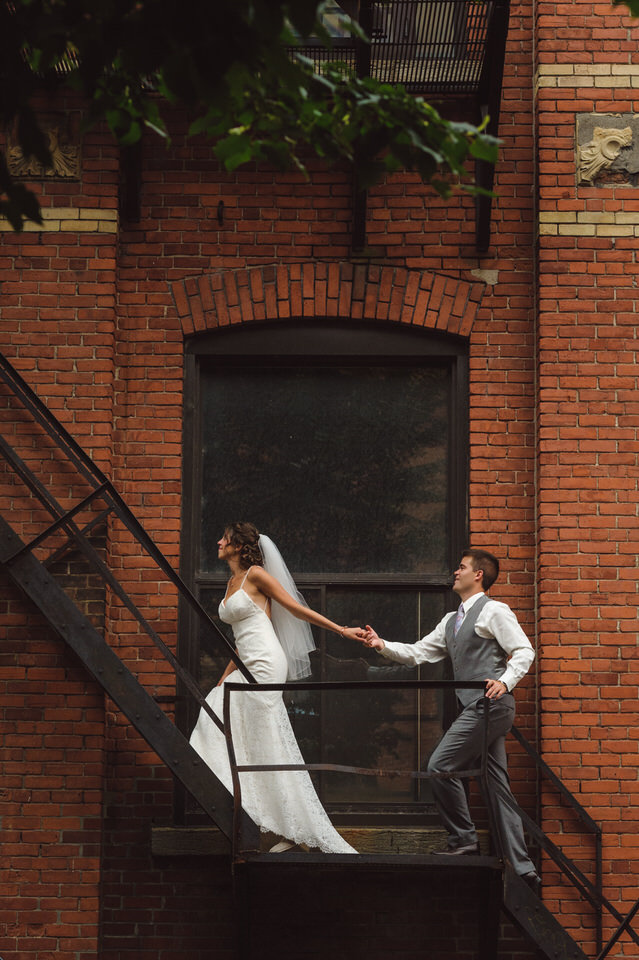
[(344, 467), (432, 703), (391, 729), (212, 658), (356, 470), (376, 728)]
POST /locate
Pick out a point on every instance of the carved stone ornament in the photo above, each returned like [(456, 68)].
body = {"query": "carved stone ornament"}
[(602, 151), (65, 157)]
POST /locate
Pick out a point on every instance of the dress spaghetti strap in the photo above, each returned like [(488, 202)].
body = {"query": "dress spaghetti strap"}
[(241, 586), (265, 607)]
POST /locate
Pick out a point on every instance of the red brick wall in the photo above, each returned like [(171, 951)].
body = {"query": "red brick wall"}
[(57, 307), (96, 321), (588, 443), (51, 797)]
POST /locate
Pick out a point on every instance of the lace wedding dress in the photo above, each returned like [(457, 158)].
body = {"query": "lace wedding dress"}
[(281, 801)]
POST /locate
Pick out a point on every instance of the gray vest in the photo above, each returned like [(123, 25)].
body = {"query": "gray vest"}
[(473, 657)]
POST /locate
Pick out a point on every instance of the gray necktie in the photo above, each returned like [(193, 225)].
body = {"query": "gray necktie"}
[(458, 619)]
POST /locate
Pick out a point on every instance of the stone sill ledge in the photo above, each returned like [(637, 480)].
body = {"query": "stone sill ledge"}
[(210, 842)]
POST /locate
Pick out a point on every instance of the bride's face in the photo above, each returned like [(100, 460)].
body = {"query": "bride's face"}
[(225, 548)]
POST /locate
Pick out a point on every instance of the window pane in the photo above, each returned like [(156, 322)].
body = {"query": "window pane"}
[(376, 728), (344, 467), (433, 704), (349, 467), (213, 658)]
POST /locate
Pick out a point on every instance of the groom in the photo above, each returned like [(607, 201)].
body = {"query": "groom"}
[(485, 642)]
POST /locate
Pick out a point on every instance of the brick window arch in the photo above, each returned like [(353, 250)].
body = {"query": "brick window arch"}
[(331, 290)]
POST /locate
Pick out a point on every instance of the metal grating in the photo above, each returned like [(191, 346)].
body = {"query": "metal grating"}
[(428, 46)]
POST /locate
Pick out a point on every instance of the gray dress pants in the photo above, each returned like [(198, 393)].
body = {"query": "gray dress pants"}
[(460, 749)]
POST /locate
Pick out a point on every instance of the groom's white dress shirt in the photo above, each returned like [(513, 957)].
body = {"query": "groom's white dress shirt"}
[(495, 620)]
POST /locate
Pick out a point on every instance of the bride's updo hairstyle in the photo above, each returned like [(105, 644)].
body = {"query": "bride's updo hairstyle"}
[(244, 536)]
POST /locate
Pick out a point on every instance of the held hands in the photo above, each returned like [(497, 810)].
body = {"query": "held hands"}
[(354, 633), (368, 636), (372, 640)]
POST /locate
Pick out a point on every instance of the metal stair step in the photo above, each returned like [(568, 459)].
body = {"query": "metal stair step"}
[(529, 913)]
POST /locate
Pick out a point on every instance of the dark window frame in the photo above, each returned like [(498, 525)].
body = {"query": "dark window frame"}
[(319, 342)]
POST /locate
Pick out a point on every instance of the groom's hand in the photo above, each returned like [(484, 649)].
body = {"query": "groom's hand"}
[(372, 639), (495, 689)]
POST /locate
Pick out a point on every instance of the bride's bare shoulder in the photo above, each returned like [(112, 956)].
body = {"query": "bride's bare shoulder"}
[(259, 576)]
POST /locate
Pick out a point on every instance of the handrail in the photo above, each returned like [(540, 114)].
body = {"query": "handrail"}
[(592, 892), (585, 818), (64, 520), (554, 779), (98, 480), (624, 925), (236, 768)]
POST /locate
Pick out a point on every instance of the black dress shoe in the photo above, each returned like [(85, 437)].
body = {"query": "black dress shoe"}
[(533, 881), (464, 850)]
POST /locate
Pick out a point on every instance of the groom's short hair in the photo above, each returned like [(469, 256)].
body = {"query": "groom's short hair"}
[(486, 562)]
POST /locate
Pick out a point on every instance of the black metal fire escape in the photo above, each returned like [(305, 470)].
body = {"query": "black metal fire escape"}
[(451, 52), (71, 527), (33, 576)]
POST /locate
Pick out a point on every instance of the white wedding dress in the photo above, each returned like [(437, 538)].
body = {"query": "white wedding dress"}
[(281, 801)]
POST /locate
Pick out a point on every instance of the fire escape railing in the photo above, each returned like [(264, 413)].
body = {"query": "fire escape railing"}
[(591, 892), (341, 685), (102, 489), (621, 929), (439, 48), (450, 51), (101, 502)]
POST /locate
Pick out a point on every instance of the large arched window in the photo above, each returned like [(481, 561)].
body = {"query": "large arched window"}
[(347, 444)]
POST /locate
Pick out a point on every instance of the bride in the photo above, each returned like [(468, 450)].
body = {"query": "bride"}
[(271, 629)]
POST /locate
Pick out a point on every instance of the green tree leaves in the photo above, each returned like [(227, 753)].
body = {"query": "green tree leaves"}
[(230, 65)]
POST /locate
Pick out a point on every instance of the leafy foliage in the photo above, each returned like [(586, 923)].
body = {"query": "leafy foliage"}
[(632, 5), (230, 65)]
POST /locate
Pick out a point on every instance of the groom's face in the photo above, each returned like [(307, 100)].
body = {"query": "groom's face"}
[(466, 579)]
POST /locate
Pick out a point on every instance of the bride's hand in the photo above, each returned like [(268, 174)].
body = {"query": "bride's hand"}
[(354, 633)]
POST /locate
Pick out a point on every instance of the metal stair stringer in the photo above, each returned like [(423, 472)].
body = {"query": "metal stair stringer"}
[(122, 686), (528, 912)]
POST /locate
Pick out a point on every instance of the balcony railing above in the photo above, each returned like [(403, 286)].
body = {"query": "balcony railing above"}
[(436, 47), (452, 52)]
